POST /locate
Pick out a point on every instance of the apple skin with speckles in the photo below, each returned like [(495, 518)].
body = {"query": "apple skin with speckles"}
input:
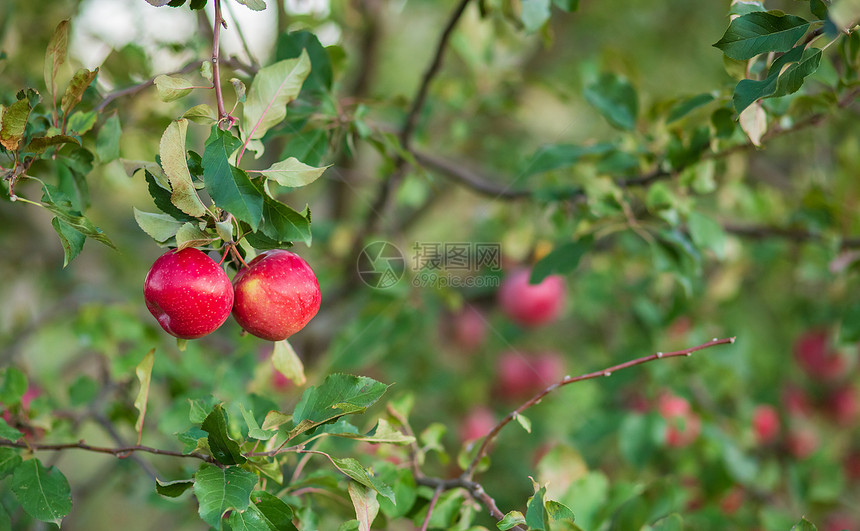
[(276, 295), (188, 293)]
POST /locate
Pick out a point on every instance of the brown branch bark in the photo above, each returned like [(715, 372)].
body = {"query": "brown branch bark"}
[(115, 451)]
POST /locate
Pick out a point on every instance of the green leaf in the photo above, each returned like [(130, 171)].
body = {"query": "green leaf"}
[(707, 233), (161, 196), (559, 511), (13, 385), (219, 489), (780, 80), (8, 432), (9, 461), (172, 88), (291, 45), (76, 88), (273, 88), (74, 219), (365, 476), (283, 224), (756, 33), (845, 13), (277, 514), (201, 114), (14, 123), (256, 5), (804, 525), (553, 157), (615, 98), (819, 9), (288, 363), (160, 227), (561, 260), (224, 449), (71, 240), (239, 89), (293, 173), (688, 105), (746, 6), (41, 143), (340, 394), (55, 56), (513, 518), (524, 421), (365, 503), (636, 439), (42, 492), (310, 146), (672, 522), (107, 141), (190, 235), (248, 520), (254, 430), (81, 122), (849, 330), (383, 432), (173, 489), (172, 151), (534, 14), (536, 514), (144, 376), (230, 187), (567, 5)]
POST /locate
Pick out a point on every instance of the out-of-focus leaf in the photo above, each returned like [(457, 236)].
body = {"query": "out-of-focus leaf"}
[(62, 209), (291, 45), (55, 56), (107, 141), (804, 525), (510, 520), (707, 233), (239, 89), (561, 260), (144, 375), (534, 14), (288, 363), (160, 227), (557, 156), (845, 13), (688, 105), (615, 98), (42, 492), (256, 5), (9, 460), (753, 121), (8, 432), (756, 33)]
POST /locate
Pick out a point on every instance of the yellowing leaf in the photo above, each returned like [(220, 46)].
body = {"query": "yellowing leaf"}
[(365, 503), (171, 88), (753, 121), (76, 88), (55, 56), (144, 374), (189, 235), (172, 151), (293, 173), (287, 362)]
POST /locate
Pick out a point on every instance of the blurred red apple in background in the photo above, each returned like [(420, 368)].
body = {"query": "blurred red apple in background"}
[(477, 423), (521, 375), (682, 425), (188, 293), (765, 423), (469, 328), (796, 401), (842, 405), (817, 358), (802, 441), (531, 304), (276, 295)]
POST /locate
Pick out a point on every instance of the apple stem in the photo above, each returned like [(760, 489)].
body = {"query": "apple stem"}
[(237, 255), (226, 252)]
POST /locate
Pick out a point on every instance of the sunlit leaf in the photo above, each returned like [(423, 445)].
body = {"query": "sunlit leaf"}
[(172, 151), (340, 394), (273, 88), (172, 88), (160, 227), (288, 363), (293, 173)]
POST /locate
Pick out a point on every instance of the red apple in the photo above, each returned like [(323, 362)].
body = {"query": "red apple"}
[(188, 293), (802, 442), (531, 304), (280, 382), (276, 295), (548, 369), (732, 501), (683, 426), (477, 423), (469, 328), (814, 354), (851, 465), (796, 401), (842, 404), (765, 423), (514, 373)]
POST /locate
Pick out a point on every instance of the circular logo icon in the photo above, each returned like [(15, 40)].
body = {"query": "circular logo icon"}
[(381, 265)]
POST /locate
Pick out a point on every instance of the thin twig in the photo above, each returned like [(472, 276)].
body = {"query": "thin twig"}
[(436, 494), (118, 451), (482, 451), (223, 116)]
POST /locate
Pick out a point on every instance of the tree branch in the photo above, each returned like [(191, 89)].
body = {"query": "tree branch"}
[(482, 451), (118, 451)]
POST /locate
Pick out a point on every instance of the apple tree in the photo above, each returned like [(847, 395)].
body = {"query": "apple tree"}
[(572, 265)]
